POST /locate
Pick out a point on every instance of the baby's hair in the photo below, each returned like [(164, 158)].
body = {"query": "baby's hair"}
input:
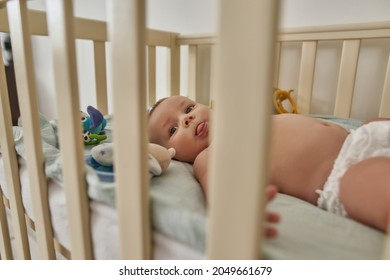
[(155, 105)]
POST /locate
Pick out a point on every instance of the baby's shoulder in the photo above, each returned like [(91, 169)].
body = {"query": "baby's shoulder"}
[(202, 158)]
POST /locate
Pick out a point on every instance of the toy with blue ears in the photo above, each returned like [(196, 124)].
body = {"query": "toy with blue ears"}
[(93, 126)]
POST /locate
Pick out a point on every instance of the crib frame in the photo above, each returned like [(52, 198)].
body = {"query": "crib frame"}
[(241, 233)]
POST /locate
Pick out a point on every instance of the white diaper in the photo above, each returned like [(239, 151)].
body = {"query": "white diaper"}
[(367, 141)]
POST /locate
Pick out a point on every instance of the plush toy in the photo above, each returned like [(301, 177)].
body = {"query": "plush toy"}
[(279, 96), (93, 126), (159, 157)]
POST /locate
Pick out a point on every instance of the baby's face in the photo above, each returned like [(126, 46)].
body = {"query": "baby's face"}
[(180, 123)]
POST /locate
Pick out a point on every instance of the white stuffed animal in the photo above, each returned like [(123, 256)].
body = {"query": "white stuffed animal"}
[(159, 157)]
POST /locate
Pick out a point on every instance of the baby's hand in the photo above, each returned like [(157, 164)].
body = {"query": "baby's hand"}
[(271, 217)]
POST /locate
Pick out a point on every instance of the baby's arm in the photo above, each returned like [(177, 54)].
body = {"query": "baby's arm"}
[(201, 174)]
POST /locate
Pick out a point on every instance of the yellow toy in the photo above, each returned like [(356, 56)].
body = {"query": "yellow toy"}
[(279, 96)]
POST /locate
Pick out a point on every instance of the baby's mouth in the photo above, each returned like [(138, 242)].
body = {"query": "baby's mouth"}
[(201, 129)]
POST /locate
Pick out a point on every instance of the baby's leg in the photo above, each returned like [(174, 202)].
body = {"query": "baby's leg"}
[(365, 192)]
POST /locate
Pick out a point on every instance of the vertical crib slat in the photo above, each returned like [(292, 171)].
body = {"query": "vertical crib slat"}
[(126, 21), (213, 75), (193, 75), (151, 75), (306, 76), (278, 49), (384, 110), (386, 247), (347, 76), (24, 73), (174, 66), (11, 170), (60, 24), (238, 173), (100, 76), (5, 240)]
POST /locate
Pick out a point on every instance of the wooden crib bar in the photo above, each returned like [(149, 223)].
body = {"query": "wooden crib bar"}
[(12, 179), (174, 74), (99, 51), (278, 49), (152, 75), (60, 25), (5, 239), (193, 75), (384, 110), (347, 78), (17, 11), (126, 25), (242, 94), (306, 76)]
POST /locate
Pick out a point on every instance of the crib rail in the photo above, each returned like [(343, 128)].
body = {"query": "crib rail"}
[(369, 30), (127, 35), (64, 29), (84, 28), (309, 37), (12, 178), (351, 35), (64, 55), (29, 111), (156, 39)]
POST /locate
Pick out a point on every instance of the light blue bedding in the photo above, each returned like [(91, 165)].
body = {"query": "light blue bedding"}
[(179, 210)]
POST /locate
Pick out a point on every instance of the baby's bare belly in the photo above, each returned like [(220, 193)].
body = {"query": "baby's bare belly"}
[(303, 151)]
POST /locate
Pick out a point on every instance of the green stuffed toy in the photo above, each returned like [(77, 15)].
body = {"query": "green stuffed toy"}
[(93, 126)]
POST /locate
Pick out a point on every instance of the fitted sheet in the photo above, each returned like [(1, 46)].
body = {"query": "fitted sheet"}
[(103, 224)]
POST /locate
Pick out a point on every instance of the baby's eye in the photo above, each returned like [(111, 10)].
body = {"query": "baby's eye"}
[(172, 131), (189, 109)]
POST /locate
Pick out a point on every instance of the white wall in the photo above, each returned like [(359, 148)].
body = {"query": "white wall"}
[(324, 12), (199, 16), (194, 16)]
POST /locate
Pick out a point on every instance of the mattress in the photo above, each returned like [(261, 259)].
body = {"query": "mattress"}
[(179, 217), (103, 224)]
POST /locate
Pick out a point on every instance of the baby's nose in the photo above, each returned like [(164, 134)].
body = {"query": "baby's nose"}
[(187, 120)]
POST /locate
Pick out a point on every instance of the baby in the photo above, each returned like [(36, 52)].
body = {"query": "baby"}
[(347, 173)]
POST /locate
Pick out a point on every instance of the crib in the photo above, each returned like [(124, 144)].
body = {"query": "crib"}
[(237, 82)]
